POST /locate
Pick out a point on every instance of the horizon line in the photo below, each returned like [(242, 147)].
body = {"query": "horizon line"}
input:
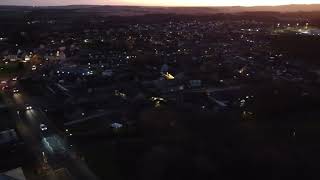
[(122, 5)]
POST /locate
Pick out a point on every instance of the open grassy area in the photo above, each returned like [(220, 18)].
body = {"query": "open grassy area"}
[(10, 68), (300, 47), (6, 122), (101, 159)]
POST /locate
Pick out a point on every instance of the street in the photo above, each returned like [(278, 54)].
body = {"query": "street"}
[(49, 146)]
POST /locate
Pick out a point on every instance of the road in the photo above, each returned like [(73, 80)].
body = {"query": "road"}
[(213, 89), (50, 147)]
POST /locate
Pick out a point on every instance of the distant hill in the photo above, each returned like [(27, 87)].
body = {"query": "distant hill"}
[(71, 7), (140, 10), (284, 8)]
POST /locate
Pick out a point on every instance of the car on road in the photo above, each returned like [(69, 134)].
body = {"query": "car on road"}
[(15, 90), (43, 127), (34, 67), (28, 107)]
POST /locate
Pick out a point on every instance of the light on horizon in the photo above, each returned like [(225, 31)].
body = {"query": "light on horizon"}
[(216, 3)]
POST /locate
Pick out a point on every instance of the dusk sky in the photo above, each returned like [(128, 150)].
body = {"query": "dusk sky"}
[(158, 2)]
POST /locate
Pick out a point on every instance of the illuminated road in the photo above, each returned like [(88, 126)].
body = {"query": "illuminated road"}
[(49, 147)]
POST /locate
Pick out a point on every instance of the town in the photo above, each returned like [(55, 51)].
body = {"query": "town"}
[(85, 96)]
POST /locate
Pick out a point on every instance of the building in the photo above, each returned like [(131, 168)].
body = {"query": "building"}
[(14, 174)]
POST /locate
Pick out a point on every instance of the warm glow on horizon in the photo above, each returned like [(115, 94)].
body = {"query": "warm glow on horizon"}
[(159, 2), (217, 3)]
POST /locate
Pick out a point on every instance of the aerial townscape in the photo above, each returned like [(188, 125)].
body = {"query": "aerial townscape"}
[(154, 93)]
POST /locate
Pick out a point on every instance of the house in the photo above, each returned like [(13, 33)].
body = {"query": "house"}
[(107, 73), (12, 57), (14, 174), (195, 83)]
